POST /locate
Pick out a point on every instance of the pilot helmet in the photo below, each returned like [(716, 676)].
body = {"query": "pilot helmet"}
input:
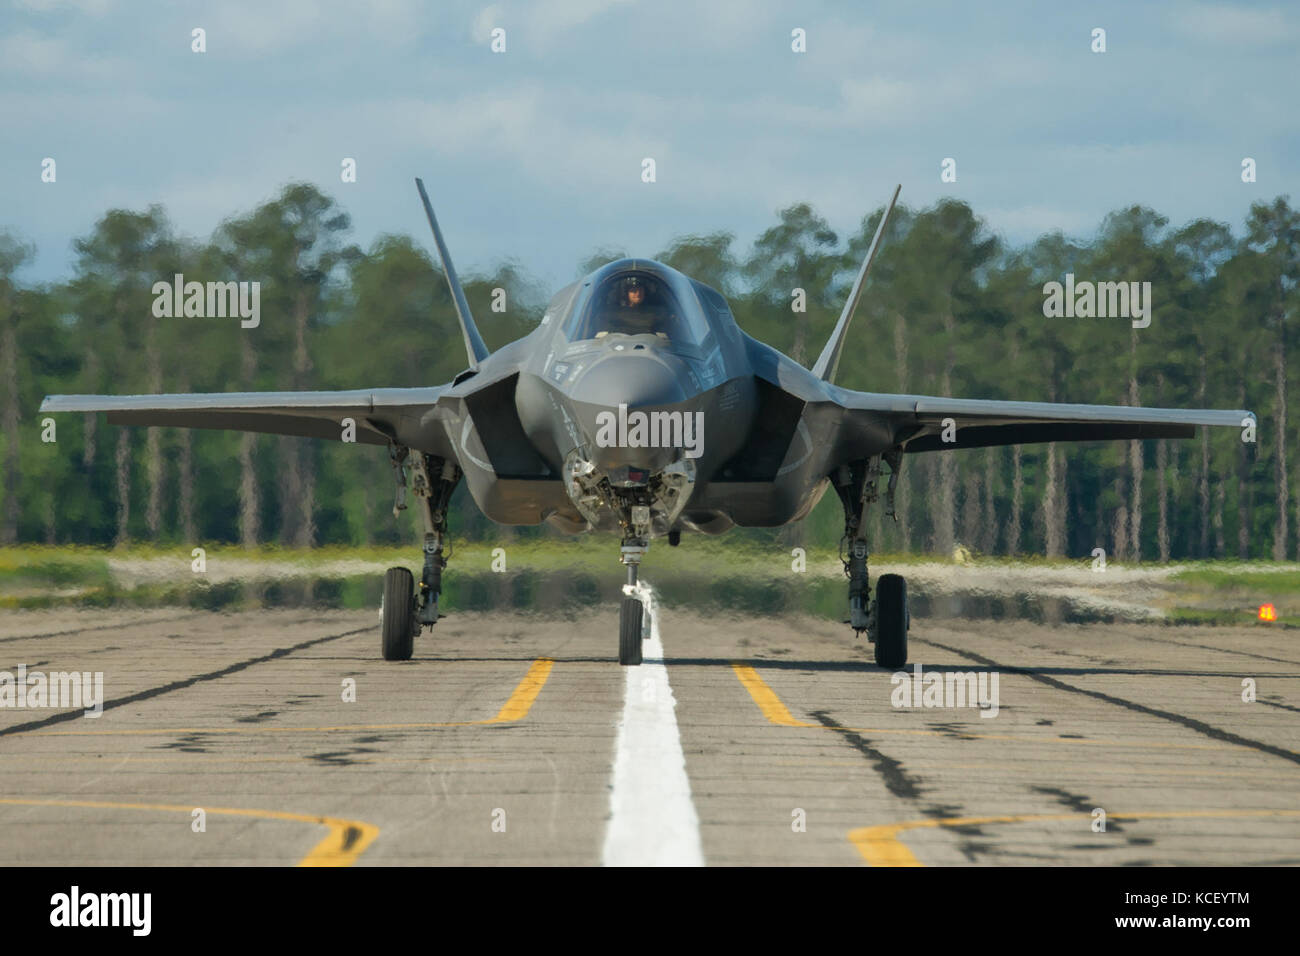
[(633, 283)]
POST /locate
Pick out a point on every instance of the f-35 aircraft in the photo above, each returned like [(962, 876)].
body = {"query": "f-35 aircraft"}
[(638, 406)]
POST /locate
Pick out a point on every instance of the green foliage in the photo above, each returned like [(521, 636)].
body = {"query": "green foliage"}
[(949, 309), (1264, 581)]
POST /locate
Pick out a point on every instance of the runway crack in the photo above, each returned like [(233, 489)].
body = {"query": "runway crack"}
[(152, 692), (1191, 723)]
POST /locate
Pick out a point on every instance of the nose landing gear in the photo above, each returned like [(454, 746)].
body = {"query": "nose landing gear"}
[(631, 610)]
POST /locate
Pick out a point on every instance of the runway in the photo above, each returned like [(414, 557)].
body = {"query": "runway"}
[(513, 738)]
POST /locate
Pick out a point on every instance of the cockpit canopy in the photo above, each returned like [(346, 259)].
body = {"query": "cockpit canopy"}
[(638, 297)]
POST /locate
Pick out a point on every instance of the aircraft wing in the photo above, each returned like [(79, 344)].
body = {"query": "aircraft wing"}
[(380, 415), (917, 422)]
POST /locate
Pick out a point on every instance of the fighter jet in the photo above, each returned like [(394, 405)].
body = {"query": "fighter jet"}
[(639, 407)]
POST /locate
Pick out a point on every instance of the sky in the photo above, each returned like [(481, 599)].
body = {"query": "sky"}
[(535, 154)]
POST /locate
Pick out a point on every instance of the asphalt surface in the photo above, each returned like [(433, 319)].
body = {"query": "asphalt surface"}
[(511, 738)]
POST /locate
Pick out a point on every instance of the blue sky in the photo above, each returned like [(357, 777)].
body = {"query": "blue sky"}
[(535, 154)]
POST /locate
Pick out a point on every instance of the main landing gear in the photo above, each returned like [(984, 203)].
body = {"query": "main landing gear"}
[(886, 619), (406, 609)]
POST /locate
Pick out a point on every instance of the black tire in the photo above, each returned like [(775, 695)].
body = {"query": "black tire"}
[(629, 631), (892, 621), (398, 619)]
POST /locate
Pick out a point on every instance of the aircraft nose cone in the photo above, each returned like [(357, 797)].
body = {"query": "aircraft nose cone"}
[(638, 379), (617, 391)]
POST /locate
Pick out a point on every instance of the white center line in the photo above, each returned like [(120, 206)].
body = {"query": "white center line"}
[(652, 819)]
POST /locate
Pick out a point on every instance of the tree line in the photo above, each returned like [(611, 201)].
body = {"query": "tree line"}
[(950, 309)]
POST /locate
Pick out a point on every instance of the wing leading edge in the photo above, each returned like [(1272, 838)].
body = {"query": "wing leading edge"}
[(918, 421), (380, 415)]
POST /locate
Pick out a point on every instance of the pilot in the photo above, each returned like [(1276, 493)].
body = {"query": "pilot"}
[(635, 315), (633, 293)]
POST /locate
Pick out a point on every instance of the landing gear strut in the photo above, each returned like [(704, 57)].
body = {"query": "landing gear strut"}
[(886, 619), (631, 610), (404, 611), (635, 519)]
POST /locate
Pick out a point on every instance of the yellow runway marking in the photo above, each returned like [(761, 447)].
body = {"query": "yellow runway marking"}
[(514, 710), (346, 840), (880, 845), (771, 706), (521, 701), (777, 713)]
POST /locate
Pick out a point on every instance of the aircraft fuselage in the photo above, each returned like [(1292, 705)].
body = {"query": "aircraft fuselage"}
[(690, 418)]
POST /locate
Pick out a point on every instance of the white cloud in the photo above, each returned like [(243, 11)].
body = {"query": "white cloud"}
[(1038, 219), (541, 22), (95, 8), (31, 54), (1237, 25), (256, 28), (551, 136), (879, 98), (488, 19), (551, 18)]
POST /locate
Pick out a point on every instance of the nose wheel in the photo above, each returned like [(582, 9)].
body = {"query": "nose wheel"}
[(631, 611), (630, 615)]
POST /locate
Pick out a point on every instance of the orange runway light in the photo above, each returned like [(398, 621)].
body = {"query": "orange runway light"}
[(1267, 612)]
